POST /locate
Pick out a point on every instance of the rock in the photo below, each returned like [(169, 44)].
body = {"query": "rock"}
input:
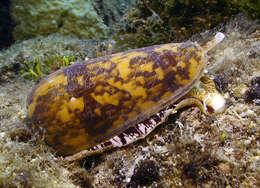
[(68, 17)]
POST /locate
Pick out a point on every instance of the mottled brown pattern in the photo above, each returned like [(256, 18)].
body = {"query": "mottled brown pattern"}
[(117, 91)]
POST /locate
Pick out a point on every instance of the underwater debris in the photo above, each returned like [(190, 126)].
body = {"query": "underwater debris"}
[(145, 174)]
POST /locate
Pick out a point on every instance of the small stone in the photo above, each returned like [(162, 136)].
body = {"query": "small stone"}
[(240, 91), (2, 135), (221, 83), (145, 174), (253, 94)]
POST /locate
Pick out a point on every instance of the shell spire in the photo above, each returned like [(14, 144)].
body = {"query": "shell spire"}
[(212, 43)]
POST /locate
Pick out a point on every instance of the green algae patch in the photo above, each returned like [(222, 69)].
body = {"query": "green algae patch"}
[(37, 69), (42, 55)]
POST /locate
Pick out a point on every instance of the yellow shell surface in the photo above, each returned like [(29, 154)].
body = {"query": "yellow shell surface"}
[(87, 103)]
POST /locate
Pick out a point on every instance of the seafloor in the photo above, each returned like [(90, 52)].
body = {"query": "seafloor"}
[(189, 150)]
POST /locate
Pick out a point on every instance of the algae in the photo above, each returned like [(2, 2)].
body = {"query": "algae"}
[(157, 22), (44, 51), (37, 69)]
